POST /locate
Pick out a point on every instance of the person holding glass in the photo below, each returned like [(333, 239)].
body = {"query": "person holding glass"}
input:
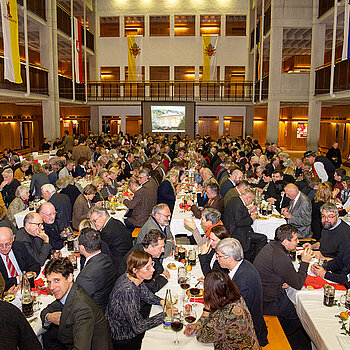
[(123, 312), (225, 320)]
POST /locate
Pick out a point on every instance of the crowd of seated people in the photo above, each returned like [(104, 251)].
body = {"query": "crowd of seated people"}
[(311, 193)]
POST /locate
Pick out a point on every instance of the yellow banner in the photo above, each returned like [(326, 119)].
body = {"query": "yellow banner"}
[(209, 57), (134, 57), (12, 67)]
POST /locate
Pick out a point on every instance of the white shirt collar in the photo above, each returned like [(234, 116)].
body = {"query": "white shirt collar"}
[(232, 272), (91, 256)]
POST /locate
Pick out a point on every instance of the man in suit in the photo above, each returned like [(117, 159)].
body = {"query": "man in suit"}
[(234, 179), (160, 220), (299, 211), (14, 259), (236, 191), (140, 205), (275, 162), (153, 243), (73, 320), (113, 232), (34, 237), (230, 256), (129, 158), (158, 170), (81, 150), (149, 183), (61, 203), (238, 220), (214, 200), (99, 272), (9, 186)]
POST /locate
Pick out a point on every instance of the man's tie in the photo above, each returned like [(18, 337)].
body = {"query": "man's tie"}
[(11, 267), (291, 206)]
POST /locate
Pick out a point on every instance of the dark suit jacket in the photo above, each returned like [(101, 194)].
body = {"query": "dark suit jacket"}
[(217, 203), (247, 280), (37, 181), (36, 247), (238, 221), (72, 192), (166, 194), (157, 281), (97, 278), (63, 208), (127, 170), (141, 206), (52, 231), (9, 190), (205, 260), (82, 323), (118, 238), (25, 262), (227, 185)]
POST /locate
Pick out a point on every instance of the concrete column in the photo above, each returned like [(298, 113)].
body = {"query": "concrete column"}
[(275, 69), (317, 54), (171, 25), (249, 121), (123, 123), (95, 120), (49, 59), (221, 125)]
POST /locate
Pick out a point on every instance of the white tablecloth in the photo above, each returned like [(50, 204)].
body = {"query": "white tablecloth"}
[(163, 338), (268, 226)]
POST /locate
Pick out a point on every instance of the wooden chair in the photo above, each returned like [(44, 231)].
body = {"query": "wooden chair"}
[(135, 233), (276, 337)]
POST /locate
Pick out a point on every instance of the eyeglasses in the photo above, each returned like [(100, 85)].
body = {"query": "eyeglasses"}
[(148, 268), (36, 223), (328, 217), (220, 256), (167, 216)]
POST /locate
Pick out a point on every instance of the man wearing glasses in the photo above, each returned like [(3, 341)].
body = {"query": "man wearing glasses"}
[(35, 238), (334, 234), (14, 259), (159, 220)]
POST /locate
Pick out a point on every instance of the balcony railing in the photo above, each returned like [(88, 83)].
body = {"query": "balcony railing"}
[(36, 6), (66, 89), (64, 24), (341, 78), (38, 80), (170, 91), (264, 90)]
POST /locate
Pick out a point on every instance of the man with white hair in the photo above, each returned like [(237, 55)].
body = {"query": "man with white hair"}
[(62, 204), (299, 211), (229, 254), (8, 187)]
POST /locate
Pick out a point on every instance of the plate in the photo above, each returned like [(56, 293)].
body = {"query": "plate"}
[(201, 291)]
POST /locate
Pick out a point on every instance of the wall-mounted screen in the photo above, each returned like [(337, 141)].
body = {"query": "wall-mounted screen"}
[(169, 117)]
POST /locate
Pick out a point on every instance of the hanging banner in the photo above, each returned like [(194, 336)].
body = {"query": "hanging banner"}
[(134, 58), (209, 57), (12, 67), (346, 46), (78, 63)]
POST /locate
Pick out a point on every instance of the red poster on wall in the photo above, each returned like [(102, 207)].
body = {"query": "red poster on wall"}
[(302, 130)]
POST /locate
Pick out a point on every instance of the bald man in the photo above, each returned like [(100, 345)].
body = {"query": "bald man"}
[(299, 211), (35, 238), (15, 259)]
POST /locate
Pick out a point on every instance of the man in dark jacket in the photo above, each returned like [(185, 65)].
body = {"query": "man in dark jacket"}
[(15, 259), (99, 272), (73, 319), (229, 253), (8, 187)]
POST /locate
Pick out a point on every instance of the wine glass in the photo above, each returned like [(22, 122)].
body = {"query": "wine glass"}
[(176, 326), (194, 291), (190, 314)]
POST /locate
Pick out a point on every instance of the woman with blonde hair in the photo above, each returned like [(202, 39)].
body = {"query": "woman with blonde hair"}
[(98, 182), (322, 196), (20, 173), (167, 189)]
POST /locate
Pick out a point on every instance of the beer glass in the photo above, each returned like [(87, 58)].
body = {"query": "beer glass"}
[(328, 296)]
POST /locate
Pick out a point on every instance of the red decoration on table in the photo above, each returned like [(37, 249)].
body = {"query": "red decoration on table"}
[(39, 282), (318, 282), (197, 300)]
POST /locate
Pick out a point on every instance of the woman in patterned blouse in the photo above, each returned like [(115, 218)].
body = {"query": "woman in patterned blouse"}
[(123, 311), (226, 320)]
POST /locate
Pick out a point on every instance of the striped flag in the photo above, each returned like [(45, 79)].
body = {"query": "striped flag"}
[(134, 58), (209, 57), (346, 44), (12, 66), (78, 64)]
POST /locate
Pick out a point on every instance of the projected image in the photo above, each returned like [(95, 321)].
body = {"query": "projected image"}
[(168, 118)]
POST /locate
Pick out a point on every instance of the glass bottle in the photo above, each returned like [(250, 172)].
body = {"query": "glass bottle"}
[(167, 310), (27, 299)]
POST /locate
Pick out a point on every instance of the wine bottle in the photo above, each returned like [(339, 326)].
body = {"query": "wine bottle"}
[(167, 310)]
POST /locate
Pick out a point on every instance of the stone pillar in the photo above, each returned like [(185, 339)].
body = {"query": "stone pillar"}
[(49, 60), (317, 54), (249, 121), (221, 125), (123, 123), (95, 120), (275, 69)]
